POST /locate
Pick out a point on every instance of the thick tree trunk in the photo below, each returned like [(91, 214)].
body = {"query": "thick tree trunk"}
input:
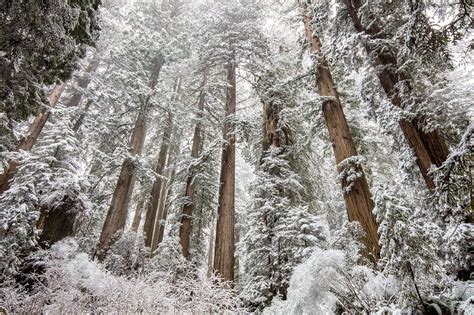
[(138, 214), (429, 147), (358, 199), (224, 260), (186, 218), (118, 211), (58, 223), (30, 140), (117, 214), (153, 202)]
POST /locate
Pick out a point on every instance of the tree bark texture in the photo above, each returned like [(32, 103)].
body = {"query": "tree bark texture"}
[(224, 260), (429, 147), (118, 211), (187, 213), (153, 203), (117, 214), (32, 136), (161, 214), (358, 199), (138, 214), (58, 223)]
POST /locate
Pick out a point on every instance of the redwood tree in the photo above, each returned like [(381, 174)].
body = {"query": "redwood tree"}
[(118, 211), (224, 259), (186, 218), (154, 199), (428, 146), (357, 195)]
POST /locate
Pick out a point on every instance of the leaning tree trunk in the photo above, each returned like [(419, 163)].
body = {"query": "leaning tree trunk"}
[(357, 196), (188, 208), (224, 259), (118, 211), (429, 147), (30, 140), (39, 122)]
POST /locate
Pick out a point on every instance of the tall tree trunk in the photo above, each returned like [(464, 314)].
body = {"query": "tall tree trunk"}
[(162, 213), (358, 199), (118, 211), (32, 136), (224, 259), (117, 214), (429, 147), (154, 198), (188, 208), (153, 202), (138, 214), (160, 223)]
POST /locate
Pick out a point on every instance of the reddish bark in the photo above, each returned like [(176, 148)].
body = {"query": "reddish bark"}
[(224, 260), (429, 147), (358, 200), (186, 218)]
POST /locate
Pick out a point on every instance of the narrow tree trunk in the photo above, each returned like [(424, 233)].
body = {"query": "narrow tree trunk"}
[(152, 208), (210, 254), (30, 140), (186, 218), (161, 213), (138, 214), (224, 260), (429, 147), (358, 199), (117, 214), (80, 120), (118, 211)]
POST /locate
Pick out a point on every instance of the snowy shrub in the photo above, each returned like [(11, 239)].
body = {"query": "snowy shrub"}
[(327, 284), (77, 285), (127, 255)]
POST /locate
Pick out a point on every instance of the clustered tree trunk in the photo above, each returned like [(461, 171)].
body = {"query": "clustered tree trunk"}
[(152, 209), (358, 199), (429, 147), (224, 259), (118, 211), (153, 203)]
